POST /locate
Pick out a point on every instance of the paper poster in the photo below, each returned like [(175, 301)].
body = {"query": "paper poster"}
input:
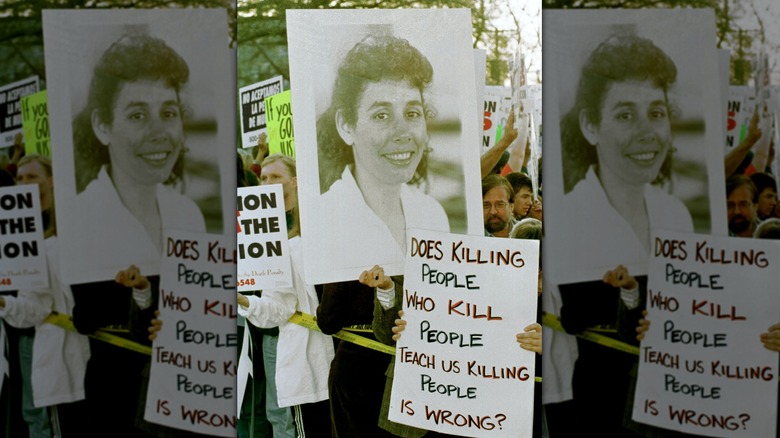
[(416, 137), (194, 358), (11, 108), (280, 124), (741, 105), (458, 367), (263, 251), (498, 104), (702, 367), (650, 157), (252, 108), (166, 163), (35, 122), (22, 252)]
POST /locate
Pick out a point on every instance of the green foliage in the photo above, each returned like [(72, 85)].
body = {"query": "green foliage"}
[(262, 32), (21, 29)]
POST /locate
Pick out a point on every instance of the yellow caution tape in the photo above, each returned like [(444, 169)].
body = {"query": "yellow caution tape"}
[(65, 321), (310, 322), (554, 322)]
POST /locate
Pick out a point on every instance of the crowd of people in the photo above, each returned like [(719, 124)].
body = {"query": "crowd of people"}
[(305, 382)]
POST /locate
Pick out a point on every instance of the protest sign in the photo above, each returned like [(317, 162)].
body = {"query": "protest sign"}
[(587, 230), (35, 122), (193, 377), (263, 252), (458, 367), (194, 190), (702, 368), (498, 104), (741, 104), (280, 124), (11, 108), (252, 108), (432, 170), (22, 252)]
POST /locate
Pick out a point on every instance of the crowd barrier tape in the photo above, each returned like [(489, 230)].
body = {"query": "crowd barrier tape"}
[(299, 318), (65, 321), (554, 323), (310, 322)]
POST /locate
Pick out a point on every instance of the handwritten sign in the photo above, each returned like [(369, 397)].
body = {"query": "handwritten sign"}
[(498, 104), (11, 108), (263, 252), (702, 368), (22, 253), (193, 378), (280, 124), (252, 108), (458, 367), (35, 123)]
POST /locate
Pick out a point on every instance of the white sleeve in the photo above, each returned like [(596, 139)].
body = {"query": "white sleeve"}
[(630, 297), (386, 297), (271, 309), (28, 309)]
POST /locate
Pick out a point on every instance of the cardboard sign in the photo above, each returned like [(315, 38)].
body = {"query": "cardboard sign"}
[(193, 378), (458, 367), (702, 368), (252, 108), (263, 252), (35, 122), (11, 108), (280, 124), (22, 253)]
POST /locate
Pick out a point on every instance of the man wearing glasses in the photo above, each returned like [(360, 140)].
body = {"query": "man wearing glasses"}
[(497, 206)]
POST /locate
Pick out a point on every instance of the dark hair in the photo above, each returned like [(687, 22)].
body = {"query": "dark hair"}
[(738, 180), (619, 58), (519, 180), (131, 58), (763, 181), (492, 181), (373, 59)]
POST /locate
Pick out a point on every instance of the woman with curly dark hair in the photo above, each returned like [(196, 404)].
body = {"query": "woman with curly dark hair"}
[(129, 147), (373, 153)]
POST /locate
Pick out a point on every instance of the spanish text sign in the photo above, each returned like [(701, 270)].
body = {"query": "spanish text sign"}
[(11, 108), (252, 108), (458, 367), (263, 252), (702, 367), (193, 378), (22, 253)]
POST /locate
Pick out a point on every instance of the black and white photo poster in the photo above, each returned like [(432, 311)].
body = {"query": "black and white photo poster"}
[(386, 127), (634, 136), (142, 105)]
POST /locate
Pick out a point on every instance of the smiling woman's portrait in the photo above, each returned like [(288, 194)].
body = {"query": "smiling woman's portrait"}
[(633, 142), (373, 142), (385, 122), (617, 140), (139, 109), (129, 141)]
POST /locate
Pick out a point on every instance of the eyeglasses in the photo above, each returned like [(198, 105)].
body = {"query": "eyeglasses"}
[(499, 206)]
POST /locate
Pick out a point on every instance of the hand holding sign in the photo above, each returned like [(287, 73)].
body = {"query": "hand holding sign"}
[(132, 277), (531, 338), (375, 277), (771, 339)]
